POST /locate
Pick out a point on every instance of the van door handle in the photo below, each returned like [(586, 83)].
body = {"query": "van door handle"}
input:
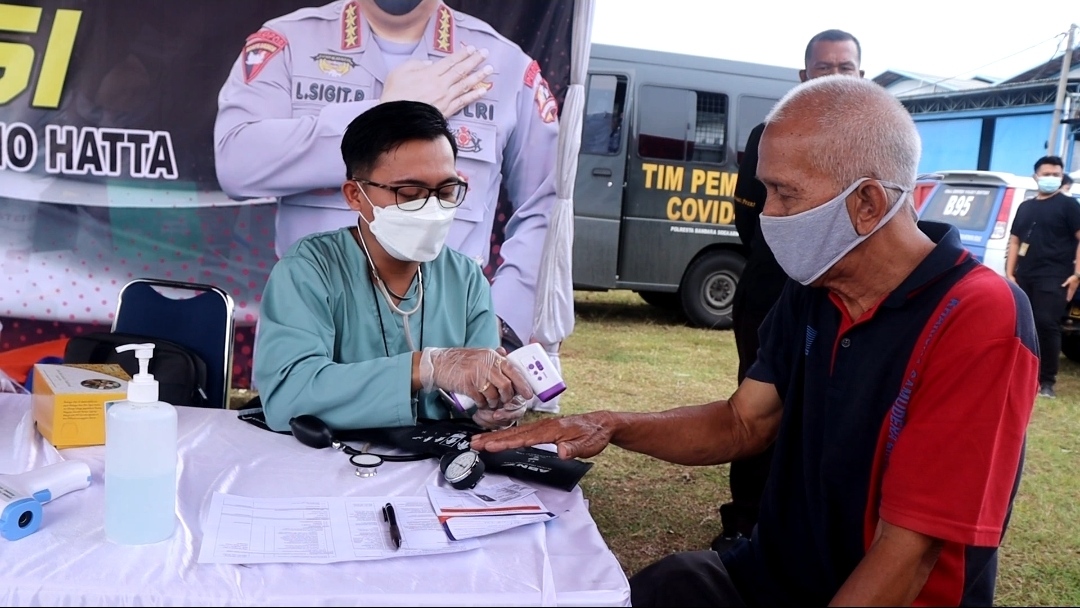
[(601, 172)]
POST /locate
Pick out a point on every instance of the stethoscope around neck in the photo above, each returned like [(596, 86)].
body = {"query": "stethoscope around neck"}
[(377, 283)]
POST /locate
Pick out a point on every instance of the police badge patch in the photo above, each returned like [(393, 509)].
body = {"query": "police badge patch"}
[(466, 140), (259, 49), (546, 105), (334, 65), (545, 102)]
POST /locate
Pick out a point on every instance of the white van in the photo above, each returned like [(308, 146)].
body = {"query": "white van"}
[(982, 205)]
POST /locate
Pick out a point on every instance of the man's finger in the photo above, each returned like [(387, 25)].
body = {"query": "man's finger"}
[(465, 94), (475, 80), (520, 383), (459, 60)]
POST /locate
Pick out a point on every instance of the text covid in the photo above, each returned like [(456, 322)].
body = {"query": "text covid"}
[(708, 185)]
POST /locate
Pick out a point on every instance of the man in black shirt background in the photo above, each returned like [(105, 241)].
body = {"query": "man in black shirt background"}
[(1042, 261), (828, 52)]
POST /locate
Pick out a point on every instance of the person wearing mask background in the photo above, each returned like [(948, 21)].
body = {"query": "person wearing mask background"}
[(363, 326), (896, 377), (304, 76), (828, 52), (1044, 260)]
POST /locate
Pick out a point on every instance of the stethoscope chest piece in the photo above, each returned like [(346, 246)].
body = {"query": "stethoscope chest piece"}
[(367, 465)]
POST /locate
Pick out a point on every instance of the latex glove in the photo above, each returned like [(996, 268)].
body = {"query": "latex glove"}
[(449, 84), (502, 417), (482, 374)]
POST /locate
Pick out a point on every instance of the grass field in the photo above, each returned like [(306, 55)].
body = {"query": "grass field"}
[(627, 355)]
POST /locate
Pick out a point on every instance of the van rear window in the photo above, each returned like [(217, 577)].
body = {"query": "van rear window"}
[(966, 207)]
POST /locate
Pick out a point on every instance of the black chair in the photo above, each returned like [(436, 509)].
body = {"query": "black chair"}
[(200, 318)]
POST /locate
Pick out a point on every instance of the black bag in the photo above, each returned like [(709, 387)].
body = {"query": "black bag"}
[(181, 374)]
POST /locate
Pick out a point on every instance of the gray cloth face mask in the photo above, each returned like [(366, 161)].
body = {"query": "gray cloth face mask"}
[(808, 244)]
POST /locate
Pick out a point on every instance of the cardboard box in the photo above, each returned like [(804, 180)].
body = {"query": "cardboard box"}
[(69, 401)]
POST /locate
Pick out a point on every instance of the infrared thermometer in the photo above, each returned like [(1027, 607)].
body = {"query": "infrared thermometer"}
[(531, 361), (22, 495)]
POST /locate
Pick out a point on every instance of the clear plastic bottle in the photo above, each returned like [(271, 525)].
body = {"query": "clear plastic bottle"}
[(140, 460)]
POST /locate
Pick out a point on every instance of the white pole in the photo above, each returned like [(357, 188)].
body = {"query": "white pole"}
[(1053, 145)]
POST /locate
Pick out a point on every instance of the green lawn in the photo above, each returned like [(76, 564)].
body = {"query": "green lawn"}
[(627, 355)]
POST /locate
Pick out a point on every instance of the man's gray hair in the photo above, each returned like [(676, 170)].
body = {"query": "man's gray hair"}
[(864, 130)]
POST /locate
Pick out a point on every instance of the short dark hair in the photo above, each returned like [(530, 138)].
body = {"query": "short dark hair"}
[(1066, 179), (1049, 160), (385, 127), (832, 36)]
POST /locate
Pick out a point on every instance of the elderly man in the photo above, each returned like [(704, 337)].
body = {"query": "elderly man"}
[(828, 52), (896, 377)]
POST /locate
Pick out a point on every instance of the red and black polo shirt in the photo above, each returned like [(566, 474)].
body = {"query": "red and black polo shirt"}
[(915, 413)]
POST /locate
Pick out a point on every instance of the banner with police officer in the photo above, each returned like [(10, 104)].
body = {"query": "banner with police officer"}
[(173, 139), (163, 138)]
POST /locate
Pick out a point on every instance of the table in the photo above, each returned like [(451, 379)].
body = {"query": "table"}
[(70, 562)]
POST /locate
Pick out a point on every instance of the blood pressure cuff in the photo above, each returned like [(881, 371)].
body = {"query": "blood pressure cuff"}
[(437, 437)]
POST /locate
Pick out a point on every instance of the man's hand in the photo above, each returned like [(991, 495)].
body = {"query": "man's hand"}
[(1070, 286), (580, 436), (449, 84)]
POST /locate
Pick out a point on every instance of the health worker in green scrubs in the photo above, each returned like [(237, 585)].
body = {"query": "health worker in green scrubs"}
[(375, 325)]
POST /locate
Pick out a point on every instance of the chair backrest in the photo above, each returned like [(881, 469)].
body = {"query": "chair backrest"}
[(200, 318)]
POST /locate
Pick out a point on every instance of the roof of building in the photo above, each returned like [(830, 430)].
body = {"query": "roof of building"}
[(890, 77), (1049, 70)]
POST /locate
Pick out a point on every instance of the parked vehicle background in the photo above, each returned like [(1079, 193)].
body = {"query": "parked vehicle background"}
[(661, 140), (982, 205)]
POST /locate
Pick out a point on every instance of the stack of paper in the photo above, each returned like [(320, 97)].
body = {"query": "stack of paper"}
[(487, 509), (242, 530)]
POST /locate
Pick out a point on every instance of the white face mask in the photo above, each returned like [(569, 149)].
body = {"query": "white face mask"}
[(808, 244), (1048, 184), (410, 236)]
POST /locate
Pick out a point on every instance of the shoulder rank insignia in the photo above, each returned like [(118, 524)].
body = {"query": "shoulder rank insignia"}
[(444, 30), (350, 25)]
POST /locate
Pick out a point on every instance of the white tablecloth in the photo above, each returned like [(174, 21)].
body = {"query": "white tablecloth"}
[(70, 562)]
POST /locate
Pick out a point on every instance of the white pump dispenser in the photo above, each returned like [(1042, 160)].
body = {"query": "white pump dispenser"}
[(140, 460), (143, 388)]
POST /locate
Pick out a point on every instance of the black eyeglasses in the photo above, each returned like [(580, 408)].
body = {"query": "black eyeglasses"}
[(413, 198)]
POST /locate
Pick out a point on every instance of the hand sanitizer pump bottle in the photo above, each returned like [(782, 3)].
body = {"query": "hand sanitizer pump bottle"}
[(140, 460)]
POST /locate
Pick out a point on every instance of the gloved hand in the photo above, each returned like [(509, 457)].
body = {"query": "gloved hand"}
[(483, 374), (500, 418)]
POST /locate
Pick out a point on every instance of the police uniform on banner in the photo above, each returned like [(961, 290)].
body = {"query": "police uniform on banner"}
[(303, 77)]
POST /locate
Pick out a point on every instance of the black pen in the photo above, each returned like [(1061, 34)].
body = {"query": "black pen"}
[(391, 518)]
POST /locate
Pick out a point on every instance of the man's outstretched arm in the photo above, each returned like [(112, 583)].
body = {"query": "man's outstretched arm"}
[(707, 434)]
